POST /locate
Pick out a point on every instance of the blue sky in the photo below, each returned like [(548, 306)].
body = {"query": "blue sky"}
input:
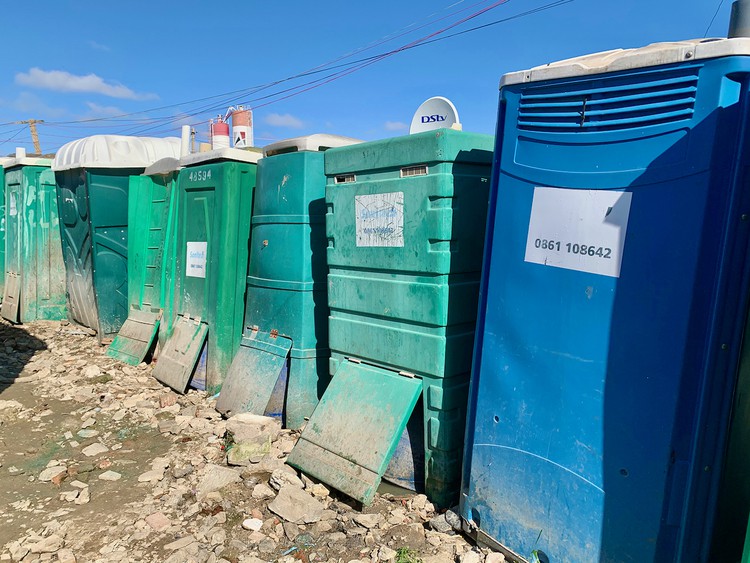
[(80, 66)]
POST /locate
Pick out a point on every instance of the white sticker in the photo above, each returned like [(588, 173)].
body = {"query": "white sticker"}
[(196, 260), (380, 219), (580, 230), (13, 206)]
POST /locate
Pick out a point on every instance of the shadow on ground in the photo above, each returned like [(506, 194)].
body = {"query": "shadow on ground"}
[(17, 347)]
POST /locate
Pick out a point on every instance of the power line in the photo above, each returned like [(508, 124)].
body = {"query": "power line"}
[(716, 13)]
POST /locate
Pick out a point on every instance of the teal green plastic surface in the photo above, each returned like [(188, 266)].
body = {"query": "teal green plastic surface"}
[(214, 207), (150, 216), (35, 288), (746, 554), (286, 282), (405, 227), (353, 433), (94, 217), (2, 232)]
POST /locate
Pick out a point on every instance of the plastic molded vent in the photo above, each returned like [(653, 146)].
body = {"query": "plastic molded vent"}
[(345, 179), (420, 170), (611, 104)]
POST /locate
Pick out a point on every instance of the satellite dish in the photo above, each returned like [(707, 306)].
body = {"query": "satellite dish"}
[(435, 113)]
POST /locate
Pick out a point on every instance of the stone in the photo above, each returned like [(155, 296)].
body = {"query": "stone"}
[(494, 557), (69, 496), (167, 400), (59, 478), (295, 505), (440, 524), (470, 556), (86, 433), (179, 544), (110, 476), (291, 530), (245, 453), (281, 477), (216, 478), (66, 556), (51, 472), (263, 491), (181, 471), (88, 422), (78, 484), (385, 553), (49, 544), (252, 524), (18, 552), (320, 491), (10, 405), (158, 521), (248, 428), (91, 371), (151, 476), (83, 497), (453, 519), (369, 521), (94, 450)]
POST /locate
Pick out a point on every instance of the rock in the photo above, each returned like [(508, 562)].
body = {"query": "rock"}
[(453, 519), (179, 544), (418, 502), (320, 491), (78, 484), (167, 400), (66, 556), (385, 553), (83, 497), (263, 491), (151, 476), (59, 478), (49, 544), (266, 546), (494, 557), (86, 433), (295, 505), (245, 453), (51, 472), (91, 371), (291, 530), (88, 422), (18, 552), (181, 471), (158, 521), (440, 524), (281, 477), (215, 479), (110, 476), (10, 405), (369, 521), (94, 449), (248, 428), (470, 556), (69, 496), (252, 524)]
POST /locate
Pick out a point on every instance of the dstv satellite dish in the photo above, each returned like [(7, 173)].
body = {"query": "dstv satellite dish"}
[(435, 113)]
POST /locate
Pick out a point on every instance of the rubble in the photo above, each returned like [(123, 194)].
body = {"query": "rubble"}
[(143, 474)]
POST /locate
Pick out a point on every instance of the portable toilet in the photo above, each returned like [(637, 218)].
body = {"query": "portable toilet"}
[(93, 176), (405, 225), (151, 205), (203, 321), (284, 347), (613, 305), (4, 161), (34, 279)]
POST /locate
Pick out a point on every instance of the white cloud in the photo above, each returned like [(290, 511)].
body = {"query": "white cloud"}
[(95, 110), (286, 120), (99, 46), (395, 126), (31, 105), (62, 81)]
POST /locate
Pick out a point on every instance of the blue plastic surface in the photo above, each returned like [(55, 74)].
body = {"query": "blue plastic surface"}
[(599, 404)]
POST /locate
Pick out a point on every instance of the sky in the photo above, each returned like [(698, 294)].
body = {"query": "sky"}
[(147, 68)]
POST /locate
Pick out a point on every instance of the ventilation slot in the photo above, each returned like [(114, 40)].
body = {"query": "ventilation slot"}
[(345, 178), (611, 104), (420, 170)]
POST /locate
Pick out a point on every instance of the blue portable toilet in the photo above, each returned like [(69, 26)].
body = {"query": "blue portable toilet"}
[(614, 297)]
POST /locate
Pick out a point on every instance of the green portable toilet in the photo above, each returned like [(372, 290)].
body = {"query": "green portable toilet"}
[(214, 206), (405, 224), (35, 282), (281, 367), (150, 248), (93, 176), (3, 163)]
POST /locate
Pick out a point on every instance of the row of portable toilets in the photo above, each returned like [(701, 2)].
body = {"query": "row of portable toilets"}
[(600, 414)]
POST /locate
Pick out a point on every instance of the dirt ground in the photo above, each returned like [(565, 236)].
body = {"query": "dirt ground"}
[(99, 462)]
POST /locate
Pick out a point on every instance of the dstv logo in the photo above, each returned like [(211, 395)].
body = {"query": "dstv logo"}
[(433, 118)]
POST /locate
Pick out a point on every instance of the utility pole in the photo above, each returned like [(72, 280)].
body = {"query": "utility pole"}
[(34, 135)]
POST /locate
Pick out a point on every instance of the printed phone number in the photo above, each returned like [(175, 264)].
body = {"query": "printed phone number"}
[(574, 248)]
